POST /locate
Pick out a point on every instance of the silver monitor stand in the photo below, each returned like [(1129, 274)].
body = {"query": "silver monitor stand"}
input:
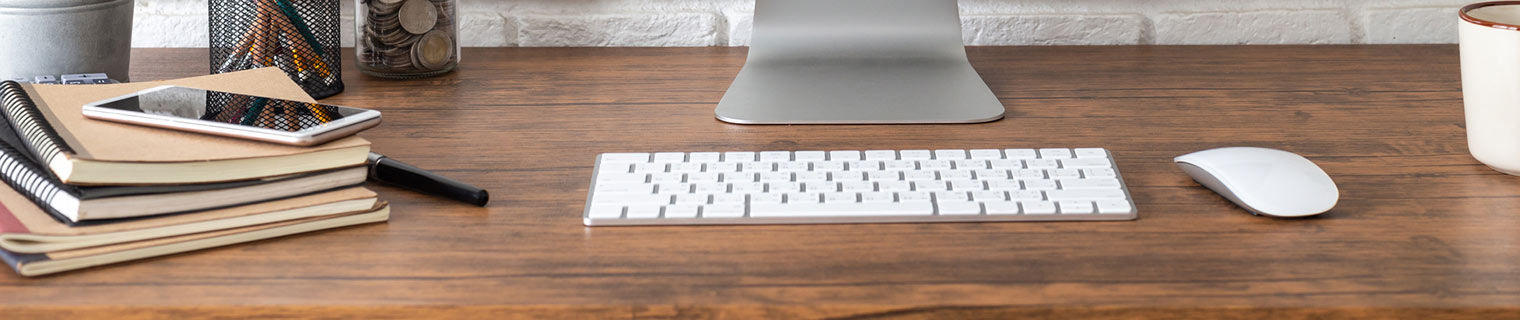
[(857, 61)]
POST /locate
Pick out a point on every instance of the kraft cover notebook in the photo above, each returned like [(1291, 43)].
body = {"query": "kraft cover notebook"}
[(81, 151), (53, 262), (67, 203), (24, 228)]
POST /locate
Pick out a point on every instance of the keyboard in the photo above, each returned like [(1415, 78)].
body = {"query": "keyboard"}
[(877, 186)]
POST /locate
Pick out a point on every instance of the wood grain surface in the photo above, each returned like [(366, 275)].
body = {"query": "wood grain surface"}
[(1422, 230)]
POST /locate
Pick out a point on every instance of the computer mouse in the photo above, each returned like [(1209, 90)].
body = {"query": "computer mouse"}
[(1263, 181)]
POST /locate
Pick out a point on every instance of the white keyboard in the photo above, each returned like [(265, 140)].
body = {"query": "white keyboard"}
[(784, 187)]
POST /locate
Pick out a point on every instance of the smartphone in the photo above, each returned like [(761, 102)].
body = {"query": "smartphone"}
[(234, 115)]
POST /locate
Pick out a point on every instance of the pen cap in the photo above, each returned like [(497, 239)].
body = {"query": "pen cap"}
[(301, 37)]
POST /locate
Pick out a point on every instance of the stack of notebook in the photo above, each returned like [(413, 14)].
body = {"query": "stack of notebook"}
[(81, 193)]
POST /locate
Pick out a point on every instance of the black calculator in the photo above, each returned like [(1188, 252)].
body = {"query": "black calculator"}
[(84, 78)]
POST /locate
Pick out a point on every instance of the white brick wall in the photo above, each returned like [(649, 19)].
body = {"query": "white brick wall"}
[(182, 23)]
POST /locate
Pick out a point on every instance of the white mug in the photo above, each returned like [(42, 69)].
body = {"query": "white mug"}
[(1490, 44)]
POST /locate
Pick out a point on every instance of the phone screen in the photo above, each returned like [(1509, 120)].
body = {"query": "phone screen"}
[(232, 108)]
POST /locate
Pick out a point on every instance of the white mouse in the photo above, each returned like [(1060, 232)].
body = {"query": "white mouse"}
[(1263, 181)]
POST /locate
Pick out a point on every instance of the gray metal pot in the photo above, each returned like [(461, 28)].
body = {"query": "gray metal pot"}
[(53, 37)]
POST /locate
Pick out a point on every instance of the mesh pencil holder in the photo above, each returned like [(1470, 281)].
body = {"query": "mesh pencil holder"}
[(297, 36)]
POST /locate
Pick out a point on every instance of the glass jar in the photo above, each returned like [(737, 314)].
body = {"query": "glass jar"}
[(406, 38)]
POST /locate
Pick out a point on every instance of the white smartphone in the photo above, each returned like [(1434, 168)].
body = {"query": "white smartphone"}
[(234, 115)]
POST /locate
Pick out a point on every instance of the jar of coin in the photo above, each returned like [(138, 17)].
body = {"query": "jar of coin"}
[(406, 38)]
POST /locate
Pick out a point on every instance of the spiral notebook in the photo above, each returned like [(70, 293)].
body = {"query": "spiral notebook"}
[(81, 151)]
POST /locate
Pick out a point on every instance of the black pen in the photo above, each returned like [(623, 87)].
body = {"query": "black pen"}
[(399, 173)]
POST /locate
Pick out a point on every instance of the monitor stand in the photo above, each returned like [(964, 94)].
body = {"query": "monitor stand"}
[(857, 62)]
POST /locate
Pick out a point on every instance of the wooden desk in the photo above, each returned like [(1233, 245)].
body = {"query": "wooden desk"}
[(1422, 229)]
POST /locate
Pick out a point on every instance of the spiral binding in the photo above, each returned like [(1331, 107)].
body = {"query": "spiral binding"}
[(27, 178), (30, 124)]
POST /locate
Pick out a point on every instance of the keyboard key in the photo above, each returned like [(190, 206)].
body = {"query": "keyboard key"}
[(848, 176), (1055, 153), (985, 196), (620, 177), (943, 196), (738, 156), (666, 177), (1076, 207), (1099, 173), (877, 197), (839, 197), (991, 174), (840, 209), (812, 176), (916, 154), (723, 211), (1038, 207), (747, 187), (625, 157), (970, 164), (913, 196), (931, 185), (802, 197), (844, 155), (934, 164), (1024, 195), (828, 166), (986, 154), (881, 155), (766, 198), (1007, 164), (643, 211), (967, 185), (772, 156), (1113, 206), (894, 186), (1091, 153), (669, 157), (605, 211), (672, 188), (703, 157), (810, 156), (632, 199), (1020, 154), (1100, 183), (1003, 185), (728, 199), (857, 186), (820, 186), (1097, 194), (950, 154), (783, 187), (614, 168), (1029, 174), (1042, 163), (920, 176), (710, 187), (738, 177), (1085, 163), (1039, 184), (900, 165), (624, 187), (959, 208), (954, 175), (681, 211), (1064, 173), (702, 177), (1001, 207)]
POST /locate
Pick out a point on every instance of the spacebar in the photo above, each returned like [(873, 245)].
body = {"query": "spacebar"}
[(770, 210)]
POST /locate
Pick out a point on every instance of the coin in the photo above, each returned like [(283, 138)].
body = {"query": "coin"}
[(390, 1), (434, 51), (418, 16)]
